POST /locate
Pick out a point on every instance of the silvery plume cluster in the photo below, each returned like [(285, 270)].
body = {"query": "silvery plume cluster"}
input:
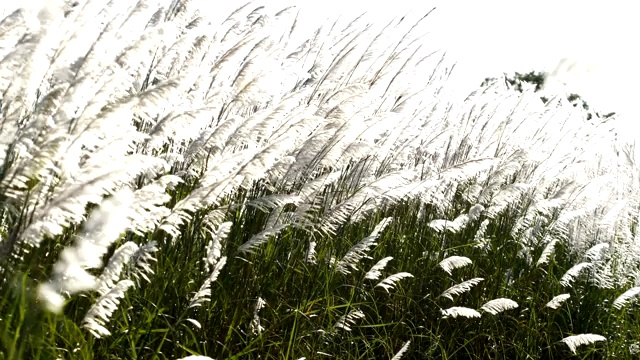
[(108, 113)]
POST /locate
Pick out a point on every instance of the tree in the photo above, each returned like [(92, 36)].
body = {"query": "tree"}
[(538, 79)]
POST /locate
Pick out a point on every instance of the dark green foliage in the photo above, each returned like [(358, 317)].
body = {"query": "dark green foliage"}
[(305, 300)]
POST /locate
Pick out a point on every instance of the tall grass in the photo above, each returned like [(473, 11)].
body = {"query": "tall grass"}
[(174, 186)]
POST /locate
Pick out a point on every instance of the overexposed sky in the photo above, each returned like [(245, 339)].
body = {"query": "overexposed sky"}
[(598, 37), (591, 44), (490, 37)]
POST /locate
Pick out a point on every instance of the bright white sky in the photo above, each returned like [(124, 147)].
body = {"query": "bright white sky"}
[(490, 37)]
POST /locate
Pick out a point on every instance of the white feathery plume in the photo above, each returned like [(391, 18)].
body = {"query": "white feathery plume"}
[(570, 276), (310, 256), (454, 226), (139, 56), (215, 183), (204, 293), (438, 192), (497, 306), (582, 339), (382, 192), (253, 244), (286, 116), (454, 262), (30, 179), (50, 293), (603, 276), (100, 313), (546, 206), (471, 194), (375, 272), (225, 68), (547, 252), (32, 58), (595, 252), (346, 321), (101, 229), (147, 209), (479, 241), (244, 134), (390, 281), (8, 134), (456, 311), (402, 350), (107, 41), (340, 96), (264, 160), (309, 153), (386, 135), (396, 185), (508, 195), (459, 223), (214, 247), (468, 169), (255, 93), (139, 265), (158, 101), (461, 288), (348, 144), (368, 198), (310, 188), (109, 29), (197, 58), (15, 21), (627, 297), (196, 357), (268, 202), (254, 327), (380, 227), (212, 140), (68, 205), (300, 126), (174, 58), (359, 250), (354, 255), (111, 273), (304, 217), (557, 301), (214, 218), (475, 212), (194, 322)]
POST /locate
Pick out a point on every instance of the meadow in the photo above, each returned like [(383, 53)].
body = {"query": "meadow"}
[(177, 187)]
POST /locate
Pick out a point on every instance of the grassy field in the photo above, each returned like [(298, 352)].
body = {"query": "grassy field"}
[(176, 187)]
